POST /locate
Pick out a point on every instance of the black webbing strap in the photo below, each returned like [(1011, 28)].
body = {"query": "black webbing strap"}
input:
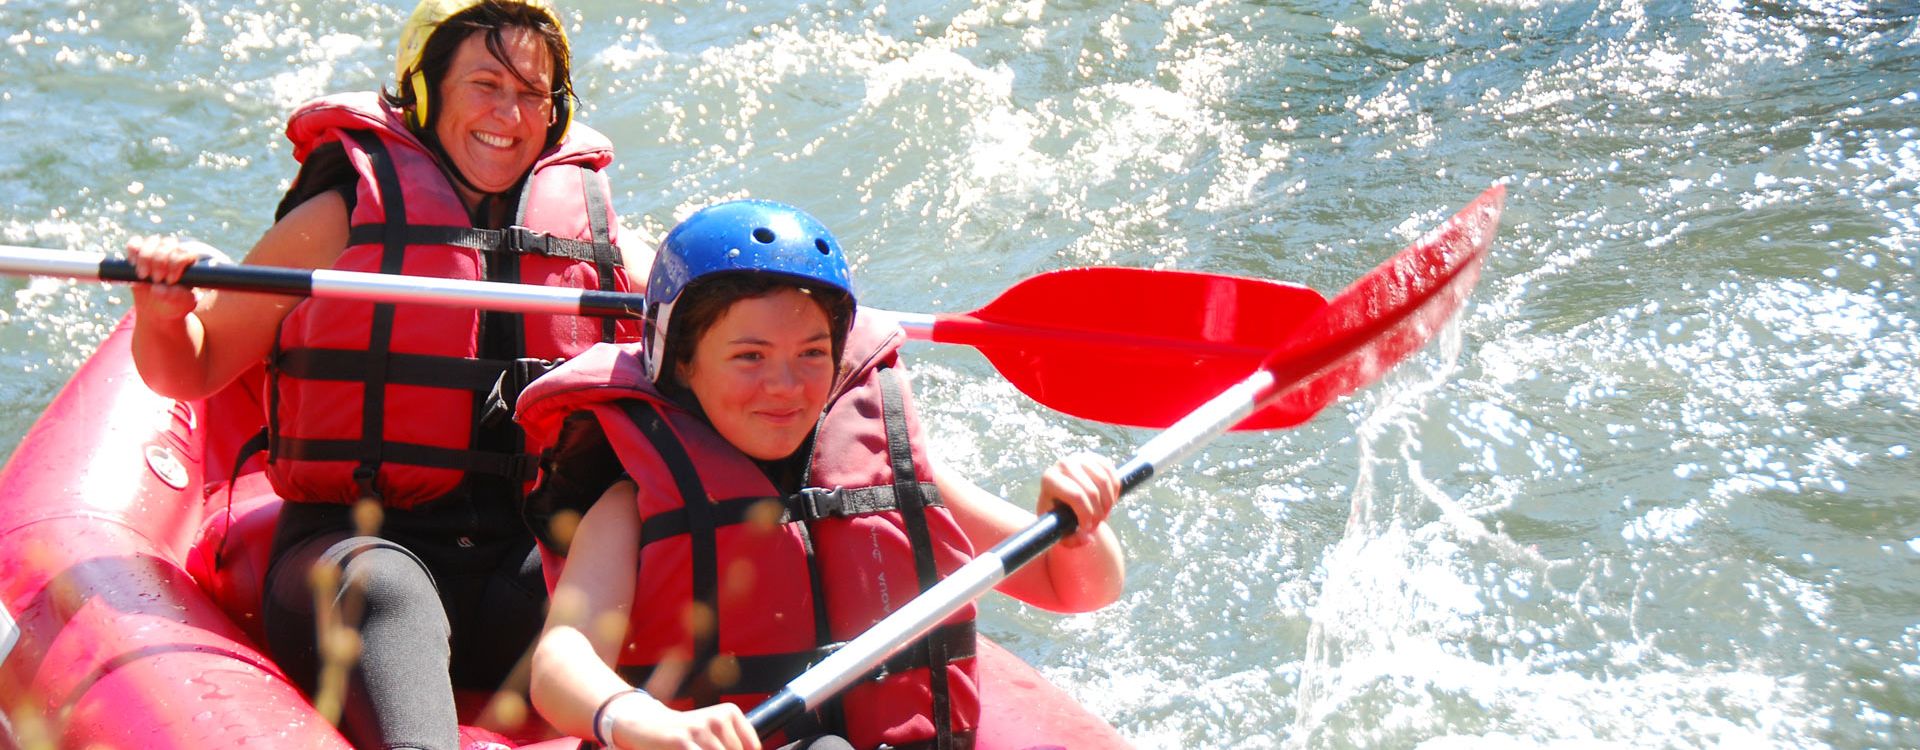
[(766, 673), (352, 365), (606, 257), (832, 714), (956, 641), (520, 208), (703, 551), (814, 503), (380, 337), (508, 241), (519, 467), (254, 444), (760, 674), (722, 512), (811, 504), (273, 394), (504, 334), (906, 491), (963, 740)]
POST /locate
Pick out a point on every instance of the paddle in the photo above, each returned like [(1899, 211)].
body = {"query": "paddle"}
[(1129, 346), (331, 284), (1373, 324), (1118, 345)]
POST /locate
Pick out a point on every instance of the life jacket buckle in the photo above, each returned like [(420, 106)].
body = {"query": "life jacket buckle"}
[(816, 503), (523, 240), (522, 467)]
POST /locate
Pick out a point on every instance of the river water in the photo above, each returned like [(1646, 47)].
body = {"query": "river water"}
[(1656, 487)]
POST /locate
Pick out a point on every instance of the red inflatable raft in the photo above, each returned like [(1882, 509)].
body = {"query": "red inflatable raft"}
[(127, 610)]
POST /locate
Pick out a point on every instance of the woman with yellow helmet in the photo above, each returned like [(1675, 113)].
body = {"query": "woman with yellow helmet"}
[(384, 435)]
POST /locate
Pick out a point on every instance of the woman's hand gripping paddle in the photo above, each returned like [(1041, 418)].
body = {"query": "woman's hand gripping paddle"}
[(1372, 325), (1119, 345)]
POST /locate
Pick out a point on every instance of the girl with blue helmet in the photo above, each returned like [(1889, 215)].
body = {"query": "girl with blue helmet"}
[(755, 489)]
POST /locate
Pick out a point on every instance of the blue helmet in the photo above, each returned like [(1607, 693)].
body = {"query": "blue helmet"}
[(757, 237)]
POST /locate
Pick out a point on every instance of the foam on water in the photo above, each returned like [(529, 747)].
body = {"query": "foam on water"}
[(1654, 488), (977, 162), (1433, 629)]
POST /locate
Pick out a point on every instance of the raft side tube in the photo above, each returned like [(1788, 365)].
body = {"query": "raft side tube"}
[(108, 552), (118, 647)]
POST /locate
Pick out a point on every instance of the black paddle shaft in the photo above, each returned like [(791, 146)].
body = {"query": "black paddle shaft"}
[(269, 279), (301, 282)]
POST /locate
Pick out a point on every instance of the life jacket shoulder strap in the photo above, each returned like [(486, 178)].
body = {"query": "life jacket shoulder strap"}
[(700, 518), (370, 449), (913, 509)]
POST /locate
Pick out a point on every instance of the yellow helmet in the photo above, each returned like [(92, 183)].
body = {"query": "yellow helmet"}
[(426, 19)]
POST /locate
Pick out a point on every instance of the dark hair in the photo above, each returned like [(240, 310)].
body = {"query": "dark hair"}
[(702, 303), (491, 17)]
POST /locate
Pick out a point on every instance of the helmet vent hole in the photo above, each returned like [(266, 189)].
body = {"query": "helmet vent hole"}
[(763, 236), (821, 245)]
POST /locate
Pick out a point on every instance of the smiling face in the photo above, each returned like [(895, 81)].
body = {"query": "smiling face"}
[(763, 371), (492, 123)]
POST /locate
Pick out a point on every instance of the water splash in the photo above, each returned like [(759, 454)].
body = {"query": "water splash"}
[(1662, 498)]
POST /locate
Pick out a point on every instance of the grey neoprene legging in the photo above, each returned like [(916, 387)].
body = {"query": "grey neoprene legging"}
[(436, 610)]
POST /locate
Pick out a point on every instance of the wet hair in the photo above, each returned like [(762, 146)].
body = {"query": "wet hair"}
[(493, 18), (704, 301)]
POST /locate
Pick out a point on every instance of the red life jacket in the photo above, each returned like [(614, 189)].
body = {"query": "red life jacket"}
[(742, 588), (388, 400)]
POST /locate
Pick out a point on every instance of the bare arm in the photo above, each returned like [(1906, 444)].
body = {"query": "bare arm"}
[(637, 256), (1082, 573), (188, 344), (587, 619), (573, 676)]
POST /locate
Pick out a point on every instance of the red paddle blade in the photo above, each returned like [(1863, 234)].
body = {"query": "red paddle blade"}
[(1381, 318), (1130, 346)]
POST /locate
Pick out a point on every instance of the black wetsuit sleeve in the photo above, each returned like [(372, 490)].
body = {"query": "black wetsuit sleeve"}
[(574, 473)]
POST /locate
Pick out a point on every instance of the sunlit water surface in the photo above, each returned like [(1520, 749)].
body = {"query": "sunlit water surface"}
[(1655, 488)]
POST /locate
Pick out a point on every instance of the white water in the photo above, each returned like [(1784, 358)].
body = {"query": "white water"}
[(1655, 488)]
